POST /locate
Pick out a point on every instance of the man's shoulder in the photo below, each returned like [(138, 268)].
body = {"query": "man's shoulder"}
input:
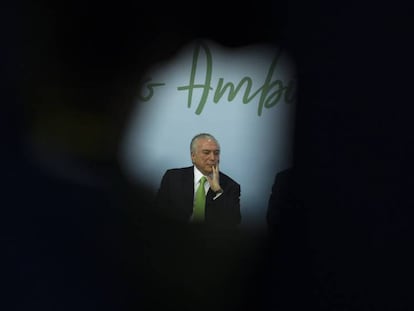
[(226, 178), (178, 170)]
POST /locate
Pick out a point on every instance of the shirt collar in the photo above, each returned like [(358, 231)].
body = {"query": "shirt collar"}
[(197, 175)]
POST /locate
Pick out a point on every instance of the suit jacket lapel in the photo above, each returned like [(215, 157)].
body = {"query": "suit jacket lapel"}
[(188, 188)]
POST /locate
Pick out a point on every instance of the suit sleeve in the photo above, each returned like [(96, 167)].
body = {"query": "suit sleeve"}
[(227, 206)]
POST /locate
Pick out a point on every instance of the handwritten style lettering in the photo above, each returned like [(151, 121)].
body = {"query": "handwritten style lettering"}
[(270, 92), (150, 87)]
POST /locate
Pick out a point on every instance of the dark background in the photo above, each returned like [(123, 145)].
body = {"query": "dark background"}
[(76, 234)]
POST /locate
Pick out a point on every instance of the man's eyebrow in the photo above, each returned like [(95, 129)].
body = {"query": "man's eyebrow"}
[(203, 150)]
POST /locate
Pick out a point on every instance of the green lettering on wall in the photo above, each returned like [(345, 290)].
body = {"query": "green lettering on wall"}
[(271, 92), (273, 99), (206, 86), (150, 87), (290, 93), (233, 91)]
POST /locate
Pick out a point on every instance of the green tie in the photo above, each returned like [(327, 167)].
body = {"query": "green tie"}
[(200, 202)]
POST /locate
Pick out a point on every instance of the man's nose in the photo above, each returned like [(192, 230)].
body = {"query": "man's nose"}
[(214, 157)]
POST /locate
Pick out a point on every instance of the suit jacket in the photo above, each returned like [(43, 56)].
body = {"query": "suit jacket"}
[(285, 206), (175, 198)]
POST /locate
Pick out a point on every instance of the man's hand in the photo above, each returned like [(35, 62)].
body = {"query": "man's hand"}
[(214, 179)]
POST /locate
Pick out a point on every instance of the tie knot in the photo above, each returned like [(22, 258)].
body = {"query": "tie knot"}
[(203, 180)]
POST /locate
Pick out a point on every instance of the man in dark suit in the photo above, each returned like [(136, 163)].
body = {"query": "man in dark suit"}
[(175, 197), (282, 197)]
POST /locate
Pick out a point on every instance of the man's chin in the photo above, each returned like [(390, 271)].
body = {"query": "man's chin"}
[(208, 170)]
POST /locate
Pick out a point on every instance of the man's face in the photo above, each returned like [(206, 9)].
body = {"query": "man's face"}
[(206, 155)]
